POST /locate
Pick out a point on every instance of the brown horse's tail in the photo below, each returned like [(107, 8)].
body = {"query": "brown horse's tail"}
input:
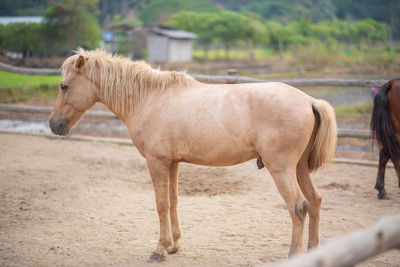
[(382, 126), (325, 135)]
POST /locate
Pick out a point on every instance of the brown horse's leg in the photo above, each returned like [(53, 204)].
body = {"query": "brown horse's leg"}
[(380, 179), (159, 172), (397, 168), (173, 196), (285, 180), (314, 199)]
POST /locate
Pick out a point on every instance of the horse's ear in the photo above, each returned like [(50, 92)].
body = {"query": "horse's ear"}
[(80, 62)]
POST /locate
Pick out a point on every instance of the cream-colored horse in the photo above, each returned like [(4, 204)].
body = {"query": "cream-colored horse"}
[(172, 118)]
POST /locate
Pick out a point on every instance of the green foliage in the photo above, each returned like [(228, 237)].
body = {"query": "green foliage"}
[(25, 38), (160, 11), (22, 7), (276, 10), (70, 25), (226, 27), (118, 21)]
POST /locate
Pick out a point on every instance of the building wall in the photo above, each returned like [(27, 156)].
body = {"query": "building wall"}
[(157, 47), (180, 50)]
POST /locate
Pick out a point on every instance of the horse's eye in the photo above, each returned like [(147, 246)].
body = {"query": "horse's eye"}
[(63, 87)]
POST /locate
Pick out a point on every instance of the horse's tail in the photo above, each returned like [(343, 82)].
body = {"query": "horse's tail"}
[(381, 124), (325, 135)]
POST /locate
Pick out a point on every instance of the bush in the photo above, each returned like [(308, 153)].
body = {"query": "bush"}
[(25, 38)]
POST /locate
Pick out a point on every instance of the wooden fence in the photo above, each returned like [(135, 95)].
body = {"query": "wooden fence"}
[(352, 248), (231, 78)]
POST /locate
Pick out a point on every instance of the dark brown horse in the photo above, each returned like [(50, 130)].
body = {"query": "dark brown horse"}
[(385, 128)]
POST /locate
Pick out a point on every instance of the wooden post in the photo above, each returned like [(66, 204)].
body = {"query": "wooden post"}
[(352, 248), (232, 76)]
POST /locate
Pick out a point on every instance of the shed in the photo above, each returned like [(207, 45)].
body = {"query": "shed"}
[(165, 44)]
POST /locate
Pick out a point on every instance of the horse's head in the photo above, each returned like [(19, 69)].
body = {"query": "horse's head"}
[(76, 95)]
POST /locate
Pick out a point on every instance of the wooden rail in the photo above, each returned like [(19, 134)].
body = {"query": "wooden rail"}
[(32, 71), (225, 78), (352, 248)]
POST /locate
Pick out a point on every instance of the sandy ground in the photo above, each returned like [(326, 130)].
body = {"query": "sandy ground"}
[(70, 203)]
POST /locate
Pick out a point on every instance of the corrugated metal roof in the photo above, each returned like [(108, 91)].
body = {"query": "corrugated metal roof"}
[(173, 33), (21, 19)]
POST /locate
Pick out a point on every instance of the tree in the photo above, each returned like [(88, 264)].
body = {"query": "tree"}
[(70, 24), (160, 11), (278, 35), (254, 32), (199, 23), (25, 38), (229, 27)]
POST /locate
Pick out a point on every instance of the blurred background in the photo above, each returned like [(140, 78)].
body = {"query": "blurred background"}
[(264, 39)]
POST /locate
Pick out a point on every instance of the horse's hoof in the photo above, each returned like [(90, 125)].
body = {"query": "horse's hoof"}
[(155, 257), (382, 194), (173, 249)]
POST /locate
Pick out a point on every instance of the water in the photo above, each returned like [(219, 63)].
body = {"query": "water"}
[(25, 126), (43, 126)]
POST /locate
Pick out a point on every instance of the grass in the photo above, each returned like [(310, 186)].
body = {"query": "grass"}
[(13, 80), (259, 53), (20, 87), (38, 92), (356, 111)]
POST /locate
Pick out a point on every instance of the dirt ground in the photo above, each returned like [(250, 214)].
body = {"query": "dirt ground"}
[(70, 203)]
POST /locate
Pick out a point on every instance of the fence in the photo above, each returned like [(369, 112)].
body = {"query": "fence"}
[(352, 248), (231, 78)]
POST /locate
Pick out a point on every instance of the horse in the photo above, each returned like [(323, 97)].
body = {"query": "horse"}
[(385, 128), (173, 118)]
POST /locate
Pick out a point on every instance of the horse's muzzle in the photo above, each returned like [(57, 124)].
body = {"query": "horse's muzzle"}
[(59, 126)]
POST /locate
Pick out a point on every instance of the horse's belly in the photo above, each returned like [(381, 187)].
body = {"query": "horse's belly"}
[(218, 155)]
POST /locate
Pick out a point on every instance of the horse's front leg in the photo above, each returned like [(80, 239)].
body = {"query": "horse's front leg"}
[(173, 196), (159, 172), (380, 179)]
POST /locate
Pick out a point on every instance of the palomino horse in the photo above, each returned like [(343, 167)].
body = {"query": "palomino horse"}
[(385, 127), (172, 118)]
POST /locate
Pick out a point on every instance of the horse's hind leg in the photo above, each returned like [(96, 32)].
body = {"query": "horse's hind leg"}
[(173, 196), (380, 179), (314, 199), (397, 168), (286, 182)]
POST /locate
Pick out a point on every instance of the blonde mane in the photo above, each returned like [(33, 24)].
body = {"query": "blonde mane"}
[(125, 83)]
